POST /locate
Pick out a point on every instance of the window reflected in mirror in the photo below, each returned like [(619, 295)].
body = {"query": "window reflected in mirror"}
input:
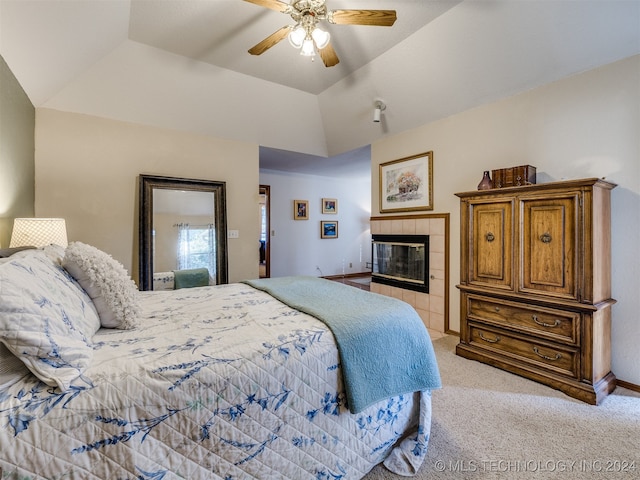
[(182, 230)]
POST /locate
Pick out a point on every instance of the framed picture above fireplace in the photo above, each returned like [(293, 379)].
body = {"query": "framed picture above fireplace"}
[(406, 184)]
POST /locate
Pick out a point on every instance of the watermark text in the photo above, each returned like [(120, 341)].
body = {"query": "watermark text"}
[(538, 466)]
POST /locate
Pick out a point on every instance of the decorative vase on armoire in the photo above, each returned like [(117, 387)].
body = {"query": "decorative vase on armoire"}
[(485, 183)]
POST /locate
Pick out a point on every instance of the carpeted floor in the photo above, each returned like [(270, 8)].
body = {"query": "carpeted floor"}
[(488, 423)]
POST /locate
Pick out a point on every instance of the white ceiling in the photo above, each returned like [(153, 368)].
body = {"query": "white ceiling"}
[(221, 32), (354, 163), (183, 64)]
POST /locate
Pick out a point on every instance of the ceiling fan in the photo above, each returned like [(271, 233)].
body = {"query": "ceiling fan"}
[(306, 35)]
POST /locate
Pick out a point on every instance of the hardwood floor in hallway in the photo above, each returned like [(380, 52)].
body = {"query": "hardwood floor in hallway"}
[(361, 281)]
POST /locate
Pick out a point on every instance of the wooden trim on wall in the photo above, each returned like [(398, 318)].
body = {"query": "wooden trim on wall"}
[(412, 217), (628, 385), (266, 190)]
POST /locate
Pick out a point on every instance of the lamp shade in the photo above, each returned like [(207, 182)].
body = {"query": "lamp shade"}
[(38, 232)]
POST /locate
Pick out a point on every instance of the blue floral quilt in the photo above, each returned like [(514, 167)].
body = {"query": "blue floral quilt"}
[(220, 382)]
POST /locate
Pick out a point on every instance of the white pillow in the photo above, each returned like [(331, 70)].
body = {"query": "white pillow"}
[(107, 282), (46, 319)]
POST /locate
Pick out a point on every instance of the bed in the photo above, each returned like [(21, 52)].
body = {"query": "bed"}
[(237, 381)]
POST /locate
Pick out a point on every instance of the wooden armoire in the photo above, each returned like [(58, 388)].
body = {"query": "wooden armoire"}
[(535, 283)]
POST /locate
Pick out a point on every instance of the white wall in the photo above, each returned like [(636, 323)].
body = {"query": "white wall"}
[(296, 247), (584, 126)]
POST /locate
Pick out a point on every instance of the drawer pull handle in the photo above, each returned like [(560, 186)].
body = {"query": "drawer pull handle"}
[(545, 238), (490, 237), (490, 340), (552, 359), (544, 324)]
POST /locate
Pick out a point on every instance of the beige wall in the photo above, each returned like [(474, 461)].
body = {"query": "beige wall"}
[(584, 126), (17, 119), (87, 172)]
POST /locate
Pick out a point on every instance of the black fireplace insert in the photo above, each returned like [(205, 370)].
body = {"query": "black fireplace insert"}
[(401, 261)]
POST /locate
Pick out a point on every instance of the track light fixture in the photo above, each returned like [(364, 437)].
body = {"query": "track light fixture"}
[(379, 107)]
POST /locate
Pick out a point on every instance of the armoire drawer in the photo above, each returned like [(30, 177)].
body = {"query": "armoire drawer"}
[(556, 325), (557, 358)]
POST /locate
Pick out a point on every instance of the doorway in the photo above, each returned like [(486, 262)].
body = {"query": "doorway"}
[(265, 228)]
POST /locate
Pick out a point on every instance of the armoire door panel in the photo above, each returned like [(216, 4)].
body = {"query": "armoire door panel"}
[(491, 257), (549, 246)]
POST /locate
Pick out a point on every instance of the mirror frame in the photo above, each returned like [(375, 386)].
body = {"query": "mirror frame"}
[(148, 183)]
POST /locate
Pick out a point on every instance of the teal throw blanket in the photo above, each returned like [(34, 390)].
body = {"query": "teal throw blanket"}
[(192, 277), (385, 349)]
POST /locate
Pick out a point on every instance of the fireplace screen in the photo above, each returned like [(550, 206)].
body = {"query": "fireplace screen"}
[(401, 261)]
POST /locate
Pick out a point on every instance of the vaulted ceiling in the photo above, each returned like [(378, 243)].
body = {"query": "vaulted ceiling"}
[(183, 64)]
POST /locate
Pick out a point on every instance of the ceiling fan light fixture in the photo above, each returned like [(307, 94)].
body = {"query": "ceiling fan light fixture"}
[(297, 36), (320, 37), (305, 35), (308, 48)]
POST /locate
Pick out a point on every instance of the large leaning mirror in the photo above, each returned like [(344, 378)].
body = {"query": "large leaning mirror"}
[(183, 230)]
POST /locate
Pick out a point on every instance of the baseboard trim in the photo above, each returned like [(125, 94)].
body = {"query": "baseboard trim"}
[(628, 385)]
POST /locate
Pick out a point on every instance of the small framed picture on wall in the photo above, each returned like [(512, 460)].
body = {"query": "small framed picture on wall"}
[(329, 205), (301, 210), (328, 229)]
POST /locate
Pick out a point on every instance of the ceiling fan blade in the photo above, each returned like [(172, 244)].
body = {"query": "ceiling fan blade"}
[(272, 4), (383, 18), (329, 56), (270, 41)]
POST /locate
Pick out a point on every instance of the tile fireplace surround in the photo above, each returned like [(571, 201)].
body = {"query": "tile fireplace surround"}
[(433, 307)]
